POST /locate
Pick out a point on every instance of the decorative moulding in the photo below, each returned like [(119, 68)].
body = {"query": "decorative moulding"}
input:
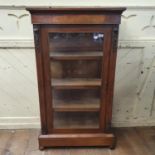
[(151, 23), (129, 16), (17, 18), (1, 28), (29, 43)]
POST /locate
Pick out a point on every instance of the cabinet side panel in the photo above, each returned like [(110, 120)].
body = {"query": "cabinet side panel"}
[(104, 75), (111, 76), (47, 79), (41, 87)]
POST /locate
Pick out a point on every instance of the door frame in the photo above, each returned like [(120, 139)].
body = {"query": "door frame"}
[(107, 45)]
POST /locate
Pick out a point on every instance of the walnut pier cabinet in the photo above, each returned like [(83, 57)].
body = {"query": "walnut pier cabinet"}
[(76, 55)]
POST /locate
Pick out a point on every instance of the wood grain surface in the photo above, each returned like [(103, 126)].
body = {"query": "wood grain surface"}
[(135, 141)]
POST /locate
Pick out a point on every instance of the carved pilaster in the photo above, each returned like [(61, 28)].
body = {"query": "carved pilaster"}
[(115, 38), (36, 30)]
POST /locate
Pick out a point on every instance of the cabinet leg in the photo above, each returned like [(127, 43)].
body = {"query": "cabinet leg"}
[(41, 148), (113, 145)]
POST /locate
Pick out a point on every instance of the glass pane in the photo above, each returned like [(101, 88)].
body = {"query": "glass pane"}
[(76, 120), (75, 66), (76, 69), (76, 55), (71, 42), (71, 99)]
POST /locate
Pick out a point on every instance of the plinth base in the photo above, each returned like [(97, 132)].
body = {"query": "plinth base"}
[(60, 140)]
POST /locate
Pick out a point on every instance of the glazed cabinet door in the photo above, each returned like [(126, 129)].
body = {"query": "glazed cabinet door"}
[(75, 61)]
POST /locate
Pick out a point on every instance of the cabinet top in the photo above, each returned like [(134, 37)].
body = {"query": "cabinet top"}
[(53, 15), (75, 9)]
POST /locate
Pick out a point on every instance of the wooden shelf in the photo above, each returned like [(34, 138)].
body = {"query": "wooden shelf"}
[(87, 105), (75, 83), (76, 55), (76, 120)]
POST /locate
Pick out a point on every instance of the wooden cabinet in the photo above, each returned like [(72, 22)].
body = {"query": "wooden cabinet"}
[(76, 56)]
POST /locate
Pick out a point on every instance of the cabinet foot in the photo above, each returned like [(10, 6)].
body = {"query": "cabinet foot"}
[(113, 145), (41, 148)]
